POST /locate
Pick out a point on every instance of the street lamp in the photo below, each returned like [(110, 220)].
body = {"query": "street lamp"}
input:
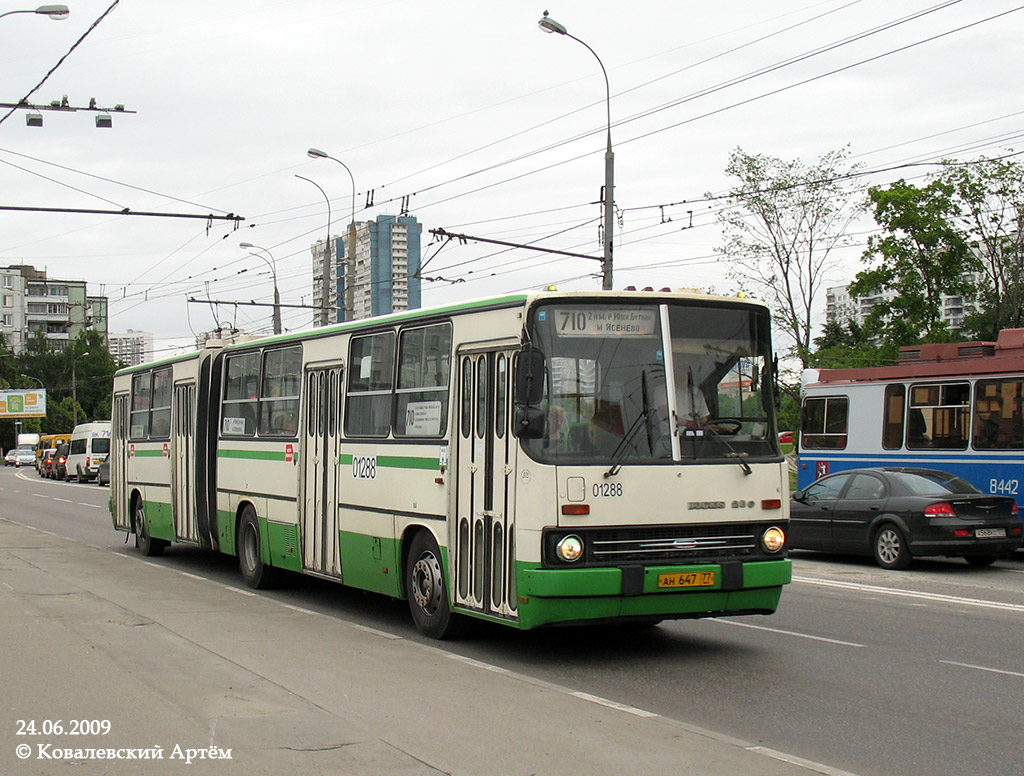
[(273, 271), (55, 12), (74, 388), (350, 265), (30, 377), (550, 25), (325, 274)]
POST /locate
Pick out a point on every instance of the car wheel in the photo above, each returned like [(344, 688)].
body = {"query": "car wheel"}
[(426, 590), (78, 474), (980, 560), (146, 544), (257, 574), (891, 550)]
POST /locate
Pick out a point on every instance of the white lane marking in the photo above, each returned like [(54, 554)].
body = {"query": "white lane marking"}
[(939, 597), (65, 500), (790, 633), (983, 668), (613, 705), (793, 760), (94, 506)]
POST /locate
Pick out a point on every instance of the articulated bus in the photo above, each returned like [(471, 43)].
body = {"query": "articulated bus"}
[(957, 407), (526, 459)]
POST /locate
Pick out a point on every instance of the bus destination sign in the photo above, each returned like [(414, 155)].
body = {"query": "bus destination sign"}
[(604, 322)]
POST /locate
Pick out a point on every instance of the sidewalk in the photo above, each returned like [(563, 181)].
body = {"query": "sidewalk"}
[(179, 663)]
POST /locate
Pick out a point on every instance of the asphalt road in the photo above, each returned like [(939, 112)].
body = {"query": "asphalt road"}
[(863, 670)]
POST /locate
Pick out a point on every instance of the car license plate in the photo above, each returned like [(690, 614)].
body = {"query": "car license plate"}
[(687, 579), (990, 533)]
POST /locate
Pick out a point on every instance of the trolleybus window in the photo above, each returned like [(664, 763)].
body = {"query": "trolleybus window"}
[(824, 423), (370, 385), (938, 416), (999, 414), (895, 403)]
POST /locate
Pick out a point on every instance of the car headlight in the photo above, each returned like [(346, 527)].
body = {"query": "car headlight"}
[(569, 548), (774, 539)]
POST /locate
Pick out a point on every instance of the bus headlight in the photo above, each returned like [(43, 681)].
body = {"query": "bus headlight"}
[(569, 548), (774, 539)]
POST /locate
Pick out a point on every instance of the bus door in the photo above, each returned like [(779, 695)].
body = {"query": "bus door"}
[(183, 467), (484, 529), (320, 450), (118, 462)]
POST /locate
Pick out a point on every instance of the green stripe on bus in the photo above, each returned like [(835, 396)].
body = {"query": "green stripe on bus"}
[(253, 455), (149, 453), (396, 462)]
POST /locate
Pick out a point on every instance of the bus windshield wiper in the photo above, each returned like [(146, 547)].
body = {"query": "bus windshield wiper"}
[(645, 417), (709, 430)]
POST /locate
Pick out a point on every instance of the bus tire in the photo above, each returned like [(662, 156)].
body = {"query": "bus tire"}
[(257, 574), (426, 590), (890, 548), (145, 543)]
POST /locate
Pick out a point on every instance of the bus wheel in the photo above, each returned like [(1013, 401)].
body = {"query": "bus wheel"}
[(891, 551), (257, 574), (145, 543), (426, 589)]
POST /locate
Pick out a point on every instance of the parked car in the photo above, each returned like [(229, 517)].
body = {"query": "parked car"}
[(103, 473), (9, 459), (899, 513), (785, 437), (60, 462), (24, 456), (46, 463)]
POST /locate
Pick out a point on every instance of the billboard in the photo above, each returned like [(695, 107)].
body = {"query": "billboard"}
[(23, 404)]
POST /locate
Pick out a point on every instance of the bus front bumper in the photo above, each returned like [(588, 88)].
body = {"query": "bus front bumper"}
[(594, 594)]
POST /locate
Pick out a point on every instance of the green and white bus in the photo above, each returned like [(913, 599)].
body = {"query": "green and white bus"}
[(531, 459)]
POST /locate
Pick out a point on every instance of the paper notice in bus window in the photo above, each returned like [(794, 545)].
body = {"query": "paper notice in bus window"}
[(138, 431), (423, 418), (234, 425), (604, 322)]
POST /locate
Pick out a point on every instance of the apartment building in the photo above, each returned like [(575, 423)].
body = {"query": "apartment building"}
[(383, 275), (32, 303)]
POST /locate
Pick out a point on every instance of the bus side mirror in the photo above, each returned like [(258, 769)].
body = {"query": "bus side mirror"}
[(529, 423), (529, 377)]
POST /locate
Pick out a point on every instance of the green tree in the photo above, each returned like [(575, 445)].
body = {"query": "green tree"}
[(848, 346), (782, 222), (919, 255), (990, 198)]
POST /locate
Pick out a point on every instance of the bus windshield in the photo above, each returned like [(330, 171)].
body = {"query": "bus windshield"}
[(654, 382)]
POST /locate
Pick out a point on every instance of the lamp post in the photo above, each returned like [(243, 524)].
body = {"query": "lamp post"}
[(273, 272), (350, 264), (55, 12), (30, 377), (550, 25), (74, 388), (325, 274)]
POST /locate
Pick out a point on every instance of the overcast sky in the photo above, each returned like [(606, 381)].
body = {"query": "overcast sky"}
[(469, 114)]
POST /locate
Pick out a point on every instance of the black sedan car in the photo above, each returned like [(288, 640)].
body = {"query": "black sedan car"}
[(898, 513)]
